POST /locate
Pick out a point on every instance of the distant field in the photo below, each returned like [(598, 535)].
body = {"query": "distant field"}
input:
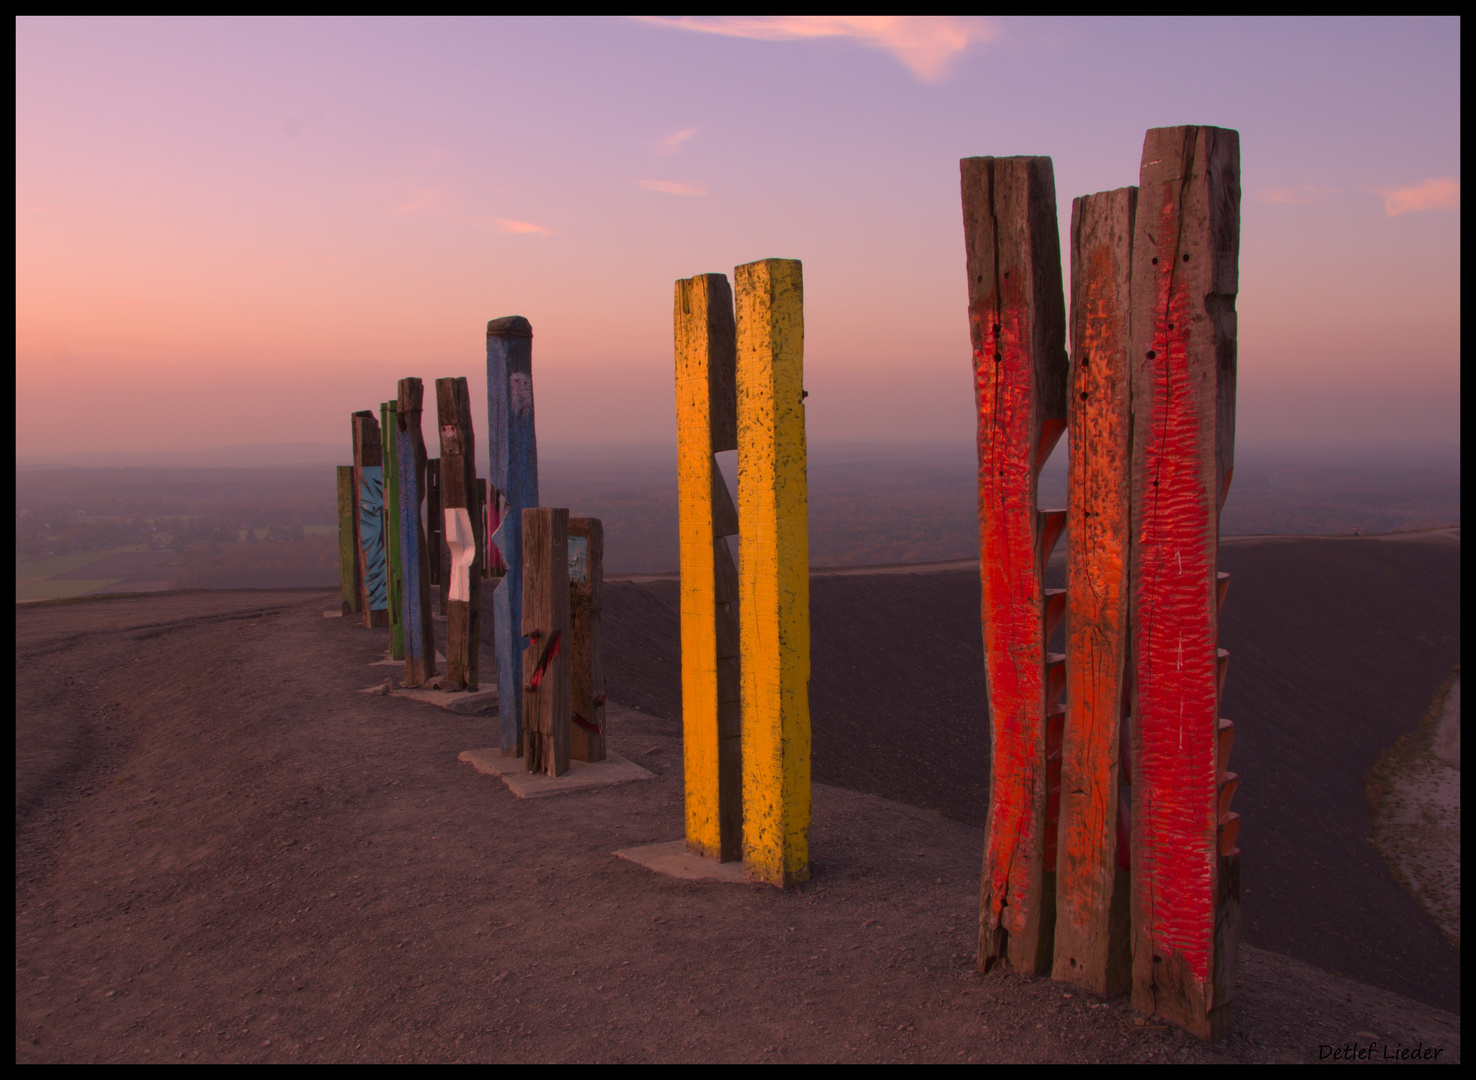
[(868, 505), (126, 569)]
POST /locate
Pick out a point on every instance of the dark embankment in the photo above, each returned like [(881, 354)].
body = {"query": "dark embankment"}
[(1336, 648)]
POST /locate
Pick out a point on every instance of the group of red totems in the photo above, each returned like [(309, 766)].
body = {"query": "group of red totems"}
[(1110, 857)]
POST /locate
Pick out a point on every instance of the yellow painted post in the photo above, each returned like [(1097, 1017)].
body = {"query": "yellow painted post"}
[(706, 425), (774, 575)]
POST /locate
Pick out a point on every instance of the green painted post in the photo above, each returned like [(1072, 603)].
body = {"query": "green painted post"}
[(394, 575)]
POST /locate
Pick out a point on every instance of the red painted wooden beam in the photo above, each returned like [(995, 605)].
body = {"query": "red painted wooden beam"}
[(1018, 327), (1185, 893), (1092, 933)]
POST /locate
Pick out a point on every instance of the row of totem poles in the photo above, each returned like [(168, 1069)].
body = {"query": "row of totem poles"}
[(1110, 847), (411, 526)]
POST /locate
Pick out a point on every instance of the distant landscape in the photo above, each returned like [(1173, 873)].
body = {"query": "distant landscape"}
[(145, 527)]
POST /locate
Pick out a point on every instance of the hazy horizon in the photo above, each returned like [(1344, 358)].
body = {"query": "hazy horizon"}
[(609, 454)]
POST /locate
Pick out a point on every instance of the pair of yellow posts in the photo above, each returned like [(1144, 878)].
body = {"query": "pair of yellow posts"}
[(745, 627)]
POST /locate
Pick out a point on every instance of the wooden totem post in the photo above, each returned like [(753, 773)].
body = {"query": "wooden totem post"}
[(435, 530), (1017, 320), (420, 634), (774, 575), (586, 665), (545, 624), (513, 452), (1185, 865), (369, 489), (707, 424), (484, 523), (1092, 942), (348, 544), (460, 509), (394, 579)]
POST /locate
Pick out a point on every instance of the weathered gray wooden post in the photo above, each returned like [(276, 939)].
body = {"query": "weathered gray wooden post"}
[(545, 626), (513, 450), (459, 505), (586, 668), (415, 608), (369, 493)]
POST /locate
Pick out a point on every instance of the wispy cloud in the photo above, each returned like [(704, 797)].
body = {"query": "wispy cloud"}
[(526, 228), (671, 187), (673, 142), (1301, 193), (422, 199), (1436, 193), (925, 44)]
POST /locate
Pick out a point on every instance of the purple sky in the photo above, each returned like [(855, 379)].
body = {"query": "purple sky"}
[(241, 231)]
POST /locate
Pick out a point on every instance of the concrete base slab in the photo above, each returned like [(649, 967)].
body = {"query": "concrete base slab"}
[(462, 702), (671, 857), (581, 775)]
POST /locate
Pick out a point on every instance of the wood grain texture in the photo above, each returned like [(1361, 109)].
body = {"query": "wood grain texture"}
[(369, 540), (1017, 323), (546, 701), (774, 573), (435, 529), (587, 669), (484, 523), (348, 546), (513, 454), (1091, 949), (1185, 253), (459, 491), (410, 460), (705, 349), (394, 578)]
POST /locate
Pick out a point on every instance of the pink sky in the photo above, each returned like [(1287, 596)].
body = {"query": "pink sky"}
[(241, 231)]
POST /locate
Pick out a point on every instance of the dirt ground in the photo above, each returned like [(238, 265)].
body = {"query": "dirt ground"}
[(1336, 648), (225, 853)]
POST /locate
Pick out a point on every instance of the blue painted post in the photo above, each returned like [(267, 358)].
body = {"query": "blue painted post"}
[(415, 607), (513, 452)]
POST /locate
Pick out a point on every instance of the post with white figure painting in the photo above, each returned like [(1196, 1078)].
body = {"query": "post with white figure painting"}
[(459, 508)]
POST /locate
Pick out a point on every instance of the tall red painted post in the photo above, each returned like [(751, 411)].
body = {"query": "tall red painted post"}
[(1093, 948), (1185, 865), (1017, 321)]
